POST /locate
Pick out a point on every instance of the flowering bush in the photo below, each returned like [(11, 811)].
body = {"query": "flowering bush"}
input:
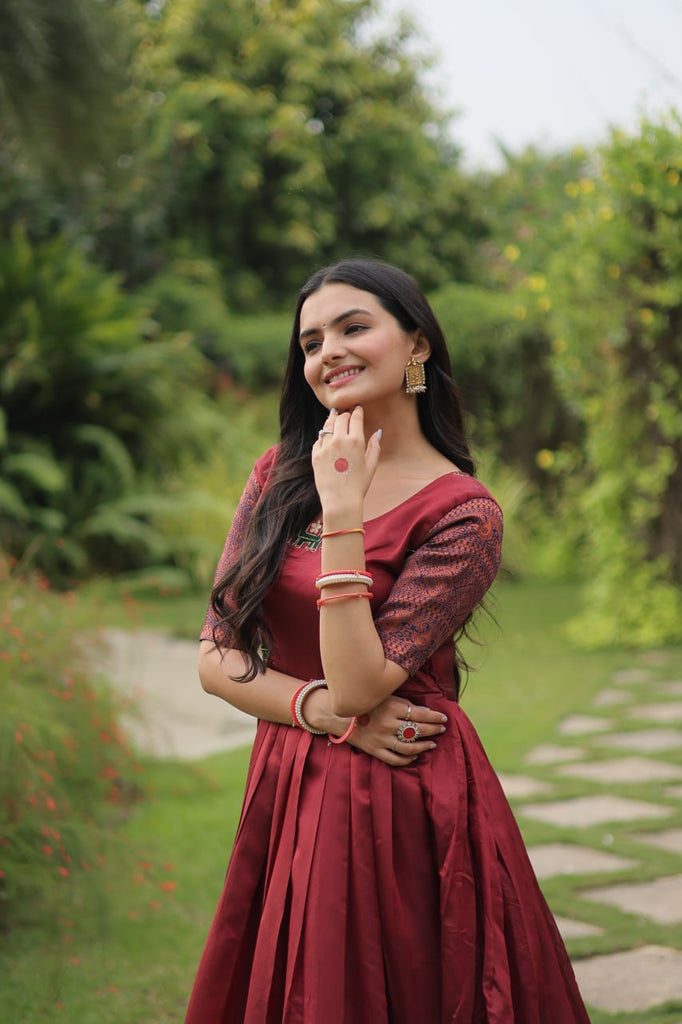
[(66, 771)]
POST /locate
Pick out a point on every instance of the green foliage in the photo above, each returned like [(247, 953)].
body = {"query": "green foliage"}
[(66, 774), (617, 293), (97, 406), (59, 63), (276, 137), (500, 356)]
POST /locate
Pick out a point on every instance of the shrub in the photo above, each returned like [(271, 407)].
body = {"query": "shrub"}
[(617, 301), (66, 772), (96, 408)]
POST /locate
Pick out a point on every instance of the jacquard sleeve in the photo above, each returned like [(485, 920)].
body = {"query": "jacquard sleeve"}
[(233, 544), (441, 583)]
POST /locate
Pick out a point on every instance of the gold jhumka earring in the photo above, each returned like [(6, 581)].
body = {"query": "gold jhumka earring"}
[(415, 377)]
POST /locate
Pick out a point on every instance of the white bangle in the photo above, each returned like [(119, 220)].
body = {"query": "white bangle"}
[(343, 576), (314, 684)]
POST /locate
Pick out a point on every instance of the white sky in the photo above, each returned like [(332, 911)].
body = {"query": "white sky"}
[(546, 72)]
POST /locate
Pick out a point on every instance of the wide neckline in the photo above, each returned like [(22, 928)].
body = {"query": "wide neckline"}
[(406, 501)]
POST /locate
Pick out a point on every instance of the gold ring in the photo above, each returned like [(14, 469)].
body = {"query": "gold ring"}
[(408, 712)]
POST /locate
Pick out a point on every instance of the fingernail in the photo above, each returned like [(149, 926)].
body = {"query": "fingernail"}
[(442, 728), (444, 718), (432, 746), (331, 411), (380, 434)]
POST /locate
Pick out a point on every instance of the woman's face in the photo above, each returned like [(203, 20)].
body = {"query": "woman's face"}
[(355, 352)]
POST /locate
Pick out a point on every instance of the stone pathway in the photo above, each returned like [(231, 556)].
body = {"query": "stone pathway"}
[(627, 795), (574, 789)]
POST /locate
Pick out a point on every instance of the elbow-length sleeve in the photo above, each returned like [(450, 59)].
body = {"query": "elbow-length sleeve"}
[(220, 634), (441, 583)]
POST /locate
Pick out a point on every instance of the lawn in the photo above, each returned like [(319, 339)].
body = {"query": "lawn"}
[(132, 959)]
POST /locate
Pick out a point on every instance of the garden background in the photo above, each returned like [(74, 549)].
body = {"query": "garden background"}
[(170, 173)]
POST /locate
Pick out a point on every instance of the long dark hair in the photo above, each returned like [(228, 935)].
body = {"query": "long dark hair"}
[(289, 502)]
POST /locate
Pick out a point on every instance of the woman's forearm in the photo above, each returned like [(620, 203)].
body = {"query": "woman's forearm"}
[(358, 675), (267, 696)]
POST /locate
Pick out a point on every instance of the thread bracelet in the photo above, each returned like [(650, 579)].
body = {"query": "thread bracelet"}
[(342, 739), (343, 597), (342, 533)]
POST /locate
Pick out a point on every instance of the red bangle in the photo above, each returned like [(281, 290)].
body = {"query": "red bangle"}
[(342, 739), (343, 597)]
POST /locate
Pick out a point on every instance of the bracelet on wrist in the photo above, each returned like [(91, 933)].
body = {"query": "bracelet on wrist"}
[(297, 719)]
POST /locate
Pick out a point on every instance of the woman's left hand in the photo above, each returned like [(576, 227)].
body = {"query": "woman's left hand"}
[(343, 463), (378, 733)]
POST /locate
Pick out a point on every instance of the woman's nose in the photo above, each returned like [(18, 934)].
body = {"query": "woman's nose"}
[(332, 346)]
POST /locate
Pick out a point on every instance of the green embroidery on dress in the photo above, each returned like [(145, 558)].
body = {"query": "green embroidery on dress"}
[(310, 538)]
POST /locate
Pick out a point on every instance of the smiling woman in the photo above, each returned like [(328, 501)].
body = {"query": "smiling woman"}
[(377, 874)]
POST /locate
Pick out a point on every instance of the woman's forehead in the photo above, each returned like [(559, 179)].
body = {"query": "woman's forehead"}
[(332, 300)]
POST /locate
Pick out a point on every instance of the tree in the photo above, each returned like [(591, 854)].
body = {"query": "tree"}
[(278, 136)]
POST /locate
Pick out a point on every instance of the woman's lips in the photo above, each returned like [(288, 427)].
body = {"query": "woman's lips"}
[(343, 376)]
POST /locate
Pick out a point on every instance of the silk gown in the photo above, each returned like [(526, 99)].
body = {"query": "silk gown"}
[(358, 893)]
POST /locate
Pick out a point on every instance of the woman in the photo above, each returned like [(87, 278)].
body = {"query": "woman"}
[(377, 873)]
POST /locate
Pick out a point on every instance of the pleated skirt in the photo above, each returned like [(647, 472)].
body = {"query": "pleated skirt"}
[(357, 893)]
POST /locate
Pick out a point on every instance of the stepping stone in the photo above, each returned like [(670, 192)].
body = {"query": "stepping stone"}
[(608, 698), (632, 675), (578, 725), (576, 929), (520, 786), (551, 753), (593, 810), (637, 979), (628, 770), (660, 900), (670, 840), (646, 741), (667, 711), (673, 688), (568, 859), (675, 792)]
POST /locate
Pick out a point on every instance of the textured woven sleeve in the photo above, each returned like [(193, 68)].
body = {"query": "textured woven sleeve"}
[(233, 544), (441, 583)]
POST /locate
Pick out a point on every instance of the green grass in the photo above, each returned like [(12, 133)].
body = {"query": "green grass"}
[(135, 962)]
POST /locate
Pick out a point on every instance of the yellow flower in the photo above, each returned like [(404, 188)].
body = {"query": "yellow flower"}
[(586, 186), (637, 187), (520, 312), (673, 177), (569, 220), (646, 316), (545, 458), (606, 213), (614, 271), (511, 253), (544, 304), (572, 188), (536, 282), (559, 345)]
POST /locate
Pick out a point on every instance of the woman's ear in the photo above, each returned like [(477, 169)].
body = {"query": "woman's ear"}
[(421, 346)]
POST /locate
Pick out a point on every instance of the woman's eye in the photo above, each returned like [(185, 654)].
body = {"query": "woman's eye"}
[(354, 328), (310, 346)]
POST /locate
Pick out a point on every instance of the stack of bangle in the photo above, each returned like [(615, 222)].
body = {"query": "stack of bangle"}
[(297, 712), (297, 705), (327, 579)]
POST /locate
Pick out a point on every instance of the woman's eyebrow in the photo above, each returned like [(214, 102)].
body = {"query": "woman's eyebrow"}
[(334, 322)]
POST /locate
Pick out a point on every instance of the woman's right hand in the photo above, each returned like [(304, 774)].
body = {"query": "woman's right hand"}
[(377, 732)]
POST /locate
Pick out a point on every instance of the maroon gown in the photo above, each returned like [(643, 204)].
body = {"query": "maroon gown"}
[(358, 893)]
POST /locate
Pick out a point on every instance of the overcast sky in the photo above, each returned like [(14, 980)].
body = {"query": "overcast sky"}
[(548, 72)]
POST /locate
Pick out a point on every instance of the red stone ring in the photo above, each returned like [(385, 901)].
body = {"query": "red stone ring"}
[(408, 732)]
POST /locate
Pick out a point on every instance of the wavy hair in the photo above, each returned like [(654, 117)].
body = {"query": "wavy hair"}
[(289, 501)]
